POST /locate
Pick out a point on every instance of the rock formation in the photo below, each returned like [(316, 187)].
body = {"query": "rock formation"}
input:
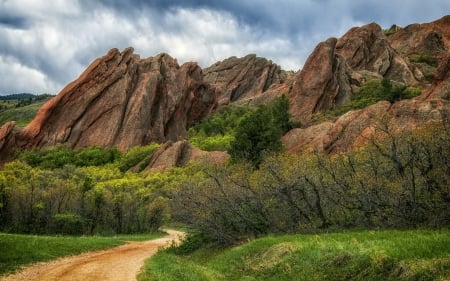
[(428, 38), (337, 67), (244, 78), (181, 153), (323, 82), (354, 127), (440, 88), (122, 100), (367, 48)]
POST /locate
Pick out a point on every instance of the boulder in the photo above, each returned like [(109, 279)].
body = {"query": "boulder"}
[(176, 154)]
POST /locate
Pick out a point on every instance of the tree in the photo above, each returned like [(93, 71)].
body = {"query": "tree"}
[(256, 135)]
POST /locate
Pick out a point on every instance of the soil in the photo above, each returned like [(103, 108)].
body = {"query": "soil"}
[(121, 263)]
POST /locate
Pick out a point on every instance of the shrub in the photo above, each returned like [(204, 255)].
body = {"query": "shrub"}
[(136, 155), (68, 224)]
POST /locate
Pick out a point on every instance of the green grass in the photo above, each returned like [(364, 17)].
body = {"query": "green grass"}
[(17, 250), (363, 255), (22, 115)]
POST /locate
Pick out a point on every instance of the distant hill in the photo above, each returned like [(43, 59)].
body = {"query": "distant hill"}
[(21, 108), (17, 96)]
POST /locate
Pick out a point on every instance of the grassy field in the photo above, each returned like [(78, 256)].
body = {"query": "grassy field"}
[(18, 250), (22, 115), (365, 255)]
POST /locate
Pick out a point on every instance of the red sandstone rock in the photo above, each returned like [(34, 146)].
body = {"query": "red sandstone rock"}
[(236, 79), (181, 153), (323, 83), (122, 100)]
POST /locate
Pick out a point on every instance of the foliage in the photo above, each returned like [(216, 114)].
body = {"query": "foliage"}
[(75, 200), (68, 223), (389, 32), (218, 132), (398, 180), (355, 255), (138, 155), (258, 132), (424, 58), (59, 156)]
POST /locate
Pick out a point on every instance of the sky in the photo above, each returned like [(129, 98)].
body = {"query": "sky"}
[(46, 44)]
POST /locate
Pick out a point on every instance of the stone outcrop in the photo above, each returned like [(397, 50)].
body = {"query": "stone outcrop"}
[(176, 154), (427, 38), (7, 141), (122, 100), (338, 67), (440, 88), (236, 79), (367, 48), (353, 129), (323, 82)]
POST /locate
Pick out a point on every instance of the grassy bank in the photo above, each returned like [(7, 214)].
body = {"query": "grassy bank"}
[(18, 250), (364, 255)]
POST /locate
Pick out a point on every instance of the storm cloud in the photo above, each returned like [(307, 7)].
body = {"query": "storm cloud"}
[(46, 44)]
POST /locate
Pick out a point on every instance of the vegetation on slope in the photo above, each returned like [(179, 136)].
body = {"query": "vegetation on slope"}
[(355, 255)]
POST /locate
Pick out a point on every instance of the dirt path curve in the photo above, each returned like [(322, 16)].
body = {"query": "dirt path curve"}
[(117, 264)]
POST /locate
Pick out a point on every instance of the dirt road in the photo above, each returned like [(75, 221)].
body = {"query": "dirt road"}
[(117, 264)]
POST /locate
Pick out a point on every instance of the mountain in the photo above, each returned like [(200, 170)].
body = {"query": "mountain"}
[(122, 100)]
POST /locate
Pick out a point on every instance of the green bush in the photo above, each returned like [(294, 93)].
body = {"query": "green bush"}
[(59, 156), (424, 58), (136, 155), (68, 224)]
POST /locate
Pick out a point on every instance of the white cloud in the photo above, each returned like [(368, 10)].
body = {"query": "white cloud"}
[(23, 78)]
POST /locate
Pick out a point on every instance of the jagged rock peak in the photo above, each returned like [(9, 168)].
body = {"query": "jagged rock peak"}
[(367, 48), (323, 82), (236, 79), (427, 38)]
